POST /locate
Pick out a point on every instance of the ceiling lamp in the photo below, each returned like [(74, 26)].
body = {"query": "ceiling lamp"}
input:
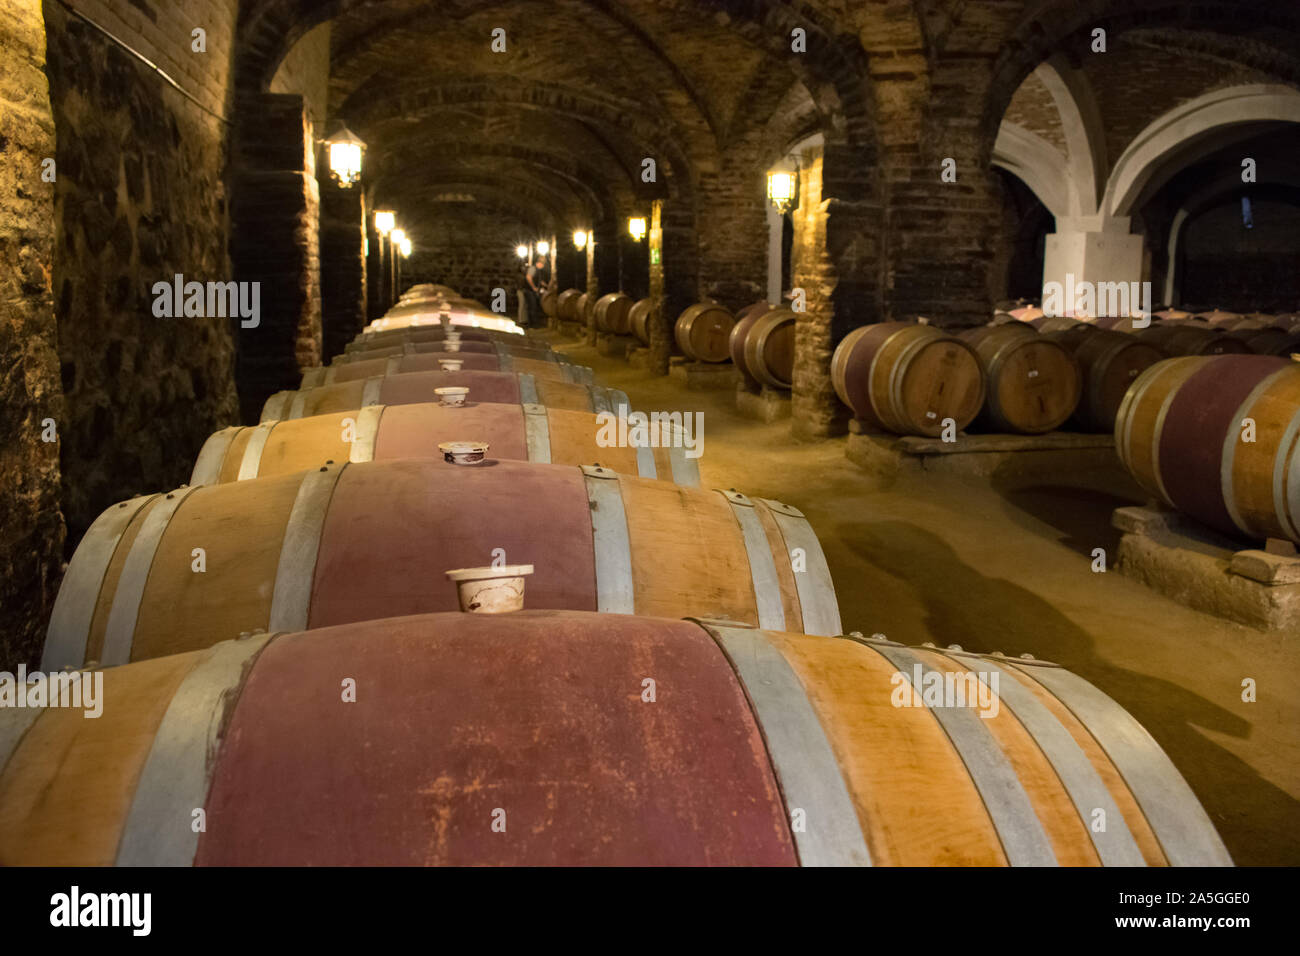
[(636, 227), (580, 239), (385, 220), (543, 247), (521, 251), (781, 189), (345, 149)]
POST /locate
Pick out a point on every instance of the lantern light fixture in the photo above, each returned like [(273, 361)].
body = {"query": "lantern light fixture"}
[(405, 246), (385, 221), (397, 237), (345, 149), (781, 189), (636, 227), (580, 239), (543, 247), (521, 251)]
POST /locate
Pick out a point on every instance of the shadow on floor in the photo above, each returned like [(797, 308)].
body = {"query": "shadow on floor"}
[(1259, 822)]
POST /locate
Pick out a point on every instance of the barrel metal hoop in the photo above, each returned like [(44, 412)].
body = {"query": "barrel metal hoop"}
[(370, 391), (275, 405), (618, 401), (896, 370), (313, 377), (1286, 501), (762, 569), (251, 462), (119, 635), (174, 781), (74, 607), (537, 432), (685, 469), (207, 467), (366, 433), (802, 758), (527, 389), (296, 569), (615, 592), (600, 400), (645, 454), (1156, 433), (1020, 831), (820, 607), (1115, 845), (1232, 440), (1177, 818), (299, 404), (393, 366)]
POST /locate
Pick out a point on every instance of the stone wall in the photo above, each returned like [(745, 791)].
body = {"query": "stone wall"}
[(306, 71), (470, 249), (31, 546), (140, 198), (1226, 265), (731, 222)]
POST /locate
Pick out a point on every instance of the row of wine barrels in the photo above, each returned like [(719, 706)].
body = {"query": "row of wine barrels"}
[(1033, 384), (566, 305), (351, 542), (1109, 363), (702, 332), (1182, 432), (1270, 341), (638, 319), (907, 379), (509, 388), (521, 348), (612, 313), (1173, 340), (582, 308), (549, 368), (381, 433), (437, 333), (765, 727), (461, 320), (762, 346)]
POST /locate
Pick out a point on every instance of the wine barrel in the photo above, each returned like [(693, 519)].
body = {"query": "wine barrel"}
[(550, 303), (638, 318), (745, 320), (1180, 434), (1173, 340), (457, 715), (907, 379), (1034, 384), (611, 313), (381, 432), (520, 348), (1110, 362), (702, 330), (1059, 323), (511, 388), (767, 348), (437, 333), (1273, 341), (582, 308), (345, 542), (549, 368), (566, 304), (1219, 316)]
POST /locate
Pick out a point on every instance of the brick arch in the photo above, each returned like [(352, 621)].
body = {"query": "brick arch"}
[(551, 201)]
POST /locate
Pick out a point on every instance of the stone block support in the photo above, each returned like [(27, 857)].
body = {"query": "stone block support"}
[(343, 266), (1095, 249), (275, 241)]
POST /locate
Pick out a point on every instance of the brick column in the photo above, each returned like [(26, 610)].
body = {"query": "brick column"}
[(673, 274), (602, 257), (275, 227), (732, 229), (343, 286)]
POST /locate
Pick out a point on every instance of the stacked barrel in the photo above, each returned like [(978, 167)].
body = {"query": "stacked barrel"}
[(287, 661)]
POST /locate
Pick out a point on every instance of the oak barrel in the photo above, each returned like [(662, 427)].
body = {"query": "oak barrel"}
[(702, 330), (550, 303), (611, 313), (550, 367), (1180, 434), (463, 721), (1109, 362), (345, 542), (566, 305), (1270, 341), (1034, 383), (1173, 340), (380, 432), (582, 308), (907, 378), (767, 348), (745, 320), (638, 319)]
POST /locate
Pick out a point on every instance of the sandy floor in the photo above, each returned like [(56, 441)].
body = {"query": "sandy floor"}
[(959, 561)]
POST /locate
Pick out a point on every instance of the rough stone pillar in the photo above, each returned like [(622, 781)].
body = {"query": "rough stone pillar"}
[(1094, 249), (343, 266), (275, 236), (376, 269), (31, 394), (775, 262), (592, 287), (730, 218), (673, 275)]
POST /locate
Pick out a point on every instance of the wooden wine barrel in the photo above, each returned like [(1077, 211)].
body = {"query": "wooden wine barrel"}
[(550, 367), (1219, 316), (611, 313), (345, 542), (1034, 384), (381, 432), (702, 330), (1060, 323), (435, 332), (767, 348), (566, 303), (1180, 434), (745, 320), (521, 348), (511, 388), (1173, 340), (638, 318), (550, 303), (1273, 341), (457, 716), (582, 308), (907, 379), (1109, 362)]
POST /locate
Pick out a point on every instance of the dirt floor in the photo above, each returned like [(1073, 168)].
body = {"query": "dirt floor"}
[(1005, 566)]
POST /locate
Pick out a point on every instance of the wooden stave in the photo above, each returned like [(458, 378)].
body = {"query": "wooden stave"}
[(813, 718), (717, 568), (611, 313), (638, 319), (685, 328), (994, 345), (871, 396), (1095, 354), (413, 430), (754, 349)]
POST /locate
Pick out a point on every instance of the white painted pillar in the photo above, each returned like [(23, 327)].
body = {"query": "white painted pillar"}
[(1095, 249), (775, 226)]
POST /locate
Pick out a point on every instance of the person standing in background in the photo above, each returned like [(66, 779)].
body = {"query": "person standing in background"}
[(537, 277)]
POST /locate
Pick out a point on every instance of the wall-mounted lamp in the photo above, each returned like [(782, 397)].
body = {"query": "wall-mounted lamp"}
[(580, 239), (397, 237), (405, 246), (385, 220), (521, 251), (543, 247), (781, 190), (345, 149), (636, 227)]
